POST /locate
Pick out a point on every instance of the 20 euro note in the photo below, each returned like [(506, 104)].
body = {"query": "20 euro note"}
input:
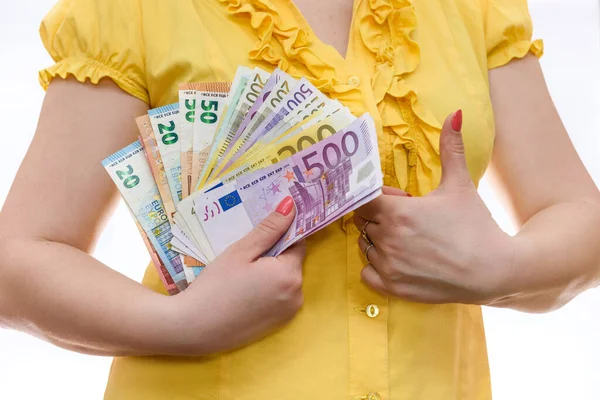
[(148, 140), (326, 181), (165, 121), (131, 174)]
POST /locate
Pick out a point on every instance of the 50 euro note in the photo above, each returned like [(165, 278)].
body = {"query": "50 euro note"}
[(240, 81), (187, 113), (210, 104), (131, 174), (326, 181)]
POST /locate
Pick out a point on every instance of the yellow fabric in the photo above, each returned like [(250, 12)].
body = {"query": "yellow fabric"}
[(410, 64)]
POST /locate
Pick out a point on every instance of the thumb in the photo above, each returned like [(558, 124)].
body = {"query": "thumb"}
[(268, 232), (452, 153)]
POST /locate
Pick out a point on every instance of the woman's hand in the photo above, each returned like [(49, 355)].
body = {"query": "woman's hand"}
[(241, 297), (441, 248)]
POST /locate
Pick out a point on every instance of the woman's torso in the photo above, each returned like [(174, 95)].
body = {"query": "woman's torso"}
[(409, 64)]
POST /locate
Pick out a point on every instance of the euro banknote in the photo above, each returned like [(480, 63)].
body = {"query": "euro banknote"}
[(325, 180), (165, 122), (209, 168), (187, 116), (210, 104), (131, 174)]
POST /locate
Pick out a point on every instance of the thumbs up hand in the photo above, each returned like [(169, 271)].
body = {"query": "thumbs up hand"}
[(444, 247)]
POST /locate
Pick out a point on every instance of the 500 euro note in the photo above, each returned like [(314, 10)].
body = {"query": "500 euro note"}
[(326, 181), (131, 174)]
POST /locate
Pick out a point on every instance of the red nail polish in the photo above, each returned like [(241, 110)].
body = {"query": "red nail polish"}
[(409, 195), (457, 120), (286, 206)]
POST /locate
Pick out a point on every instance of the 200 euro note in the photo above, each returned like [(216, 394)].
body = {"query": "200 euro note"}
[(288, 145), (247, 136), (326, 181), (302, 94), (130, 172)]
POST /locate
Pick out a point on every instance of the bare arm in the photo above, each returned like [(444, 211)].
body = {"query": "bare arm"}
[(52, 288), (544, 183)]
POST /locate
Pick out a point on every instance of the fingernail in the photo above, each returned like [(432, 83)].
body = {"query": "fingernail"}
[(457, 120), (285, 207), (408, 195)]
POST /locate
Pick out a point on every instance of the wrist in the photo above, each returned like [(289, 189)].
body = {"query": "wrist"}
[(504, 271)]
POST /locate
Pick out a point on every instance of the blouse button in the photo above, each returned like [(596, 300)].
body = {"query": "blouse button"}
[(372, 311), (354, 81), (374, 396)]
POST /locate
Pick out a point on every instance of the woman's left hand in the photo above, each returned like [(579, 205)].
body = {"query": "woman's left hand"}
[(444, 247)]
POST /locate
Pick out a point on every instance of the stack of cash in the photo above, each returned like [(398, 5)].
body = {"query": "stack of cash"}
[(209, 168)]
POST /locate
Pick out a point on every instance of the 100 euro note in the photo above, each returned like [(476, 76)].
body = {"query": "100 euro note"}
[(131, 174), (326, 181)]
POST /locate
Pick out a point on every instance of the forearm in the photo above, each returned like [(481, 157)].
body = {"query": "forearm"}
[(68, 298), (556, 257)]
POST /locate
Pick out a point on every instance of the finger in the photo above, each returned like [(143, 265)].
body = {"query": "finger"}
[(372, 256), (392, 191), (294, 255), (378, 209), (452, 153), (373, 229), (268, 232), (371, 278), (419, 294)]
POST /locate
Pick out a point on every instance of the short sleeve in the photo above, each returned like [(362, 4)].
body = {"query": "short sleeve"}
[(508, 32), (91, 40)]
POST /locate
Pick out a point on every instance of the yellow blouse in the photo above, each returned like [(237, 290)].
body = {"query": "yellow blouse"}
[(410, 63)]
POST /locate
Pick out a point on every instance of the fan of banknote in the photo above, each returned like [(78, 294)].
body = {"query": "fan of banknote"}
[(209, 168)]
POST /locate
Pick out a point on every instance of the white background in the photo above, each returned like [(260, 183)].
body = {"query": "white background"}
[(552, 356)]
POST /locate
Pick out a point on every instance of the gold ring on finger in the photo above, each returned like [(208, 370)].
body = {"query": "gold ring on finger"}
[(364, 233), (366, 251)]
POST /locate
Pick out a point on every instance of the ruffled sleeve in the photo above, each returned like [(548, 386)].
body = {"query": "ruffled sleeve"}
[(91, 40), (508, 32)]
